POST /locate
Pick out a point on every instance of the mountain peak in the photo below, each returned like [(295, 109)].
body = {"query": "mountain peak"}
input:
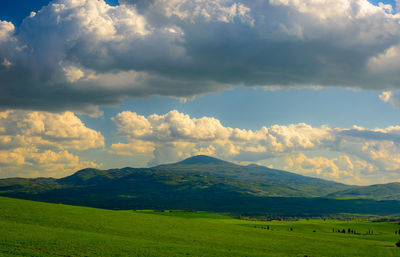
[(202, 159)]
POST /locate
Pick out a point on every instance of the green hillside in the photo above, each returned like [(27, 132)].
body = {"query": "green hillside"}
[(202, 183), (41, 229), (199, 173)]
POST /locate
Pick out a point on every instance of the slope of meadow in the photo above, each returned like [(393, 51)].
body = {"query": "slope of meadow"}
[(41, 229)]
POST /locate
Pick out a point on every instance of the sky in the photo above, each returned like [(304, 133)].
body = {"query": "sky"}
[(311, 87)]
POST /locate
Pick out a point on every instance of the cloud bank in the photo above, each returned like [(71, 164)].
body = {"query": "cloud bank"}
[(37, 143), (81, 54), (355, 155)]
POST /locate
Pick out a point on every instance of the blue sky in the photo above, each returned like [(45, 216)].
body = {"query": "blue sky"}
[(249, 82)]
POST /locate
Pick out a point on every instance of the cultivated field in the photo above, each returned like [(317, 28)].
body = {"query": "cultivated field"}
[(41, 229)]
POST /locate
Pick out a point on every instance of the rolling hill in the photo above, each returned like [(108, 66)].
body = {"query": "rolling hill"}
[(204, 183)]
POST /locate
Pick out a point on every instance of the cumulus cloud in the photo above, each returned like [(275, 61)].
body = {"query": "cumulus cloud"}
[(36, 143), (32, 162), (343, 168), (391, 97), (58, 131), (206, 135), (79, 54), (336, 168), (358, 151), (6, 31)]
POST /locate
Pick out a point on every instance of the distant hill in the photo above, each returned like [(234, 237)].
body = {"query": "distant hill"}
[(204, 183), (389, 191)]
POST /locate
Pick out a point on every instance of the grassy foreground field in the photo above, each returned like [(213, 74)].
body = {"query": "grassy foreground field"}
[(41, 229)]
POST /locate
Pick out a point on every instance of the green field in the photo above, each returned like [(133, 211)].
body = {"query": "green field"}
[(42, 229)]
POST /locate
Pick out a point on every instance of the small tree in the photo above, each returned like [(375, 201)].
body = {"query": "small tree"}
[(398, 243)]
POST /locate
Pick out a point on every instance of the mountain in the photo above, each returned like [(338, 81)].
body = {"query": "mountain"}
[(200, 183), (202, 159), (252, 179)]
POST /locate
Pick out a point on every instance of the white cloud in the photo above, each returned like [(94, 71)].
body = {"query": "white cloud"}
[(391, 97), (31, 162), (6, 31), (386, 96), (37, 143), (336, 168), (60, 131), (341, 168), (176, 126)]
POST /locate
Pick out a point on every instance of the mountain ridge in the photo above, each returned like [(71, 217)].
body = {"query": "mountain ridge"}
[(199, 182)]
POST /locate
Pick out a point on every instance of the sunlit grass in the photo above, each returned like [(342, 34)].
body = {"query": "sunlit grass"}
[(40, 229)]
